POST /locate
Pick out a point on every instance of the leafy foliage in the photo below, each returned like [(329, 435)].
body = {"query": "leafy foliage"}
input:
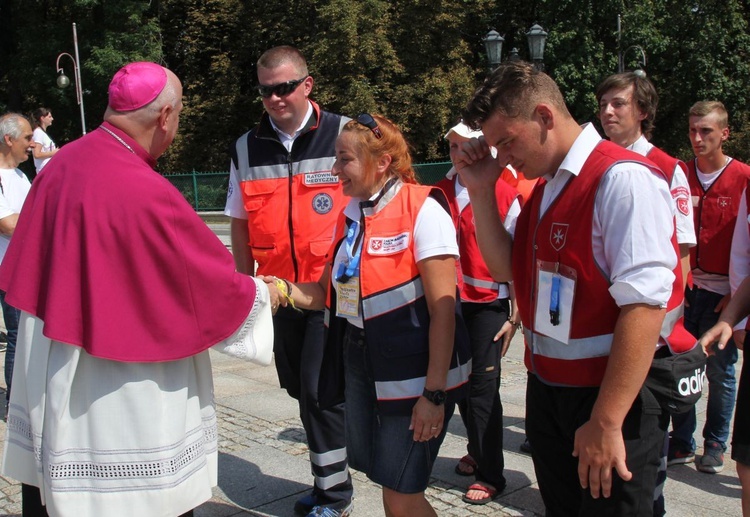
[(415, 61)]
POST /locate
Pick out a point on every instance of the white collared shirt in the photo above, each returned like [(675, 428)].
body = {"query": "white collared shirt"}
[(679, 188), (629, 248), (286, 138)]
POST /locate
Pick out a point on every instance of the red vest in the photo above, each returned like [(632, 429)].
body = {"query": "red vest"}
[(583, 361), (715, 213), (474, 281), (665, 162)]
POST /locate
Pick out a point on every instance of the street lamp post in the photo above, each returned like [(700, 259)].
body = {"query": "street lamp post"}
[(63, 81), (621, 53), (493, 45), (536, 36)]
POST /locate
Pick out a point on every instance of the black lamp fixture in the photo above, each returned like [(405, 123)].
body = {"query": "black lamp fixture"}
[(493, 45), (536, 37)]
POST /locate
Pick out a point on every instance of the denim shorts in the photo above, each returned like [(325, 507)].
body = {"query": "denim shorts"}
[(382, 446)]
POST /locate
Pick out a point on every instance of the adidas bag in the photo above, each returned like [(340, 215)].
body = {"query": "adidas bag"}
[(677, 380)]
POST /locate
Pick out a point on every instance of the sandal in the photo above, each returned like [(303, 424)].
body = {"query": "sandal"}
[(490, 494), (466, 466)]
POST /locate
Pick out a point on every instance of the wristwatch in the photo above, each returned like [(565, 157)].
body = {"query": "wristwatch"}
[(437, 397)]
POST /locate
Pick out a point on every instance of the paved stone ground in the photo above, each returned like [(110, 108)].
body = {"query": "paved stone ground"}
[(264, 466)]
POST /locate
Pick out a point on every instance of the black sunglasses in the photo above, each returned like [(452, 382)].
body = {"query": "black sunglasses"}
[(366, 120), (280, 89)]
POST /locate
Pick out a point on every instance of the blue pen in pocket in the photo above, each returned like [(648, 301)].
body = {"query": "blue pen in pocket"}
[(554, 301)]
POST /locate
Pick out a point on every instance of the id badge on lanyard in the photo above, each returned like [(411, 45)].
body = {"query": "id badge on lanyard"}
[(555, 290), (347, 276)]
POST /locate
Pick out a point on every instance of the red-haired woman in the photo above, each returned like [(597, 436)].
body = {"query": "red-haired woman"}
[(390, 293)]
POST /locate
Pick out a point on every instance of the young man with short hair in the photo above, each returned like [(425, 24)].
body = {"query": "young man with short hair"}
[(592, 315), (716, 184)]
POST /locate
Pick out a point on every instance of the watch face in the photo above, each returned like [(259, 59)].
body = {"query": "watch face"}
[(437, 397)]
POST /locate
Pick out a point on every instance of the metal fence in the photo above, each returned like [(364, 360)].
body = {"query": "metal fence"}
[(207, 191)]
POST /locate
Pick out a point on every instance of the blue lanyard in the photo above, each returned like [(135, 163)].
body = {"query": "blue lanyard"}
[(353, 248)]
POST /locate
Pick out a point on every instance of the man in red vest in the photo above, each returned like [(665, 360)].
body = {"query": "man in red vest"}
[(627, 108), (716, 184), (592, 315)]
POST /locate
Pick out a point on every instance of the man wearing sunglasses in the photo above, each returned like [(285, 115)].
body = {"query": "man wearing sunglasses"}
[(283, 201)]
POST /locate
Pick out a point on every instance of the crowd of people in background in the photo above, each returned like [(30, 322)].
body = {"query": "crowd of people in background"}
[(393, 303)]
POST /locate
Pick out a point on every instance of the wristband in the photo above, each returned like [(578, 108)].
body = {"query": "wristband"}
[(285, 288)]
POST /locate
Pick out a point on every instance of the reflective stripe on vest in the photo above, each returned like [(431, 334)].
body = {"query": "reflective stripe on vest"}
[(583, 348), (412, 388), (314, 167), (386, 301), (485, 284)]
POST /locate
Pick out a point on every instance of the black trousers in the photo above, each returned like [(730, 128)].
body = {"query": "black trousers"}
[(554, 413), (31, 504), (482, 410), (298, 349)]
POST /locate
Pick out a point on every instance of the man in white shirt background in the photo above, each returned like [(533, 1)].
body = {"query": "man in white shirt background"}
[(15, 145), (627, 109)]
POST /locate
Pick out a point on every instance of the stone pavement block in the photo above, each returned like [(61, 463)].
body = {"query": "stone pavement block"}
[(238, 385), (259, 475), (690, 492), (270, 404)]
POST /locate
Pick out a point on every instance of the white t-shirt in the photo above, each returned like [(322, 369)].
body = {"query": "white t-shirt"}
[(434, 235), (15, 186), (41, 137)]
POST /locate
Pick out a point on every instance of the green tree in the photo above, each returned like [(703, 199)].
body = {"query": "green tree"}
[(109, 35)]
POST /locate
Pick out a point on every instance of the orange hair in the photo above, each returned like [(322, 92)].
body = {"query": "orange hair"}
[(370, 149)]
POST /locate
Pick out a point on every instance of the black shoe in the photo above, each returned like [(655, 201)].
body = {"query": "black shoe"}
[(3, 337), (526, 446)]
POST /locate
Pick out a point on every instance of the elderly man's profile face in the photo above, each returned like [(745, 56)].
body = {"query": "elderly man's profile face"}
[(20, 147)]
